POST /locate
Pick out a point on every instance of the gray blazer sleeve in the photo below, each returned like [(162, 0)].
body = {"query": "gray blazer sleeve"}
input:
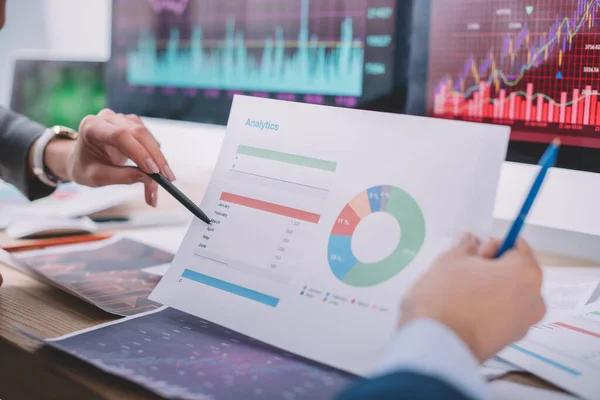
[(17, 134)]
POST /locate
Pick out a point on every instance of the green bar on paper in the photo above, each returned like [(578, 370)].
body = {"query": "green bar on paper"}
[(596, 312), (287, 158)]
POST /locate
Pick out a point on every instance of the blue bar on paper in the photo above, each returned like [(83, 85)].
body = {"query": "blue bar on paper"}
[(231, 288), (546, 360)]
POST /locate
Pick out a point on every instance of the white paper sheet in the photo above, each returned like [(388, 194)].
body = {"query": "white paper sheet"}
[(568, 275), (496, 367), (83, 201), (567, 296), (500, 390), (565, 352), (300, 193)]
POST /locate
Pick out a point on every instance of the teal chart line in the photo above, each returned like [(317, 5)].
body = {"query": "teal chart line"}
[(310, 69)]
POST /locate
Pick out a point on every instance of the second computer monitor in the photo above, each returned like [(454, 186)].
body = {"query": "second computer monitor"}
[(186, 59)]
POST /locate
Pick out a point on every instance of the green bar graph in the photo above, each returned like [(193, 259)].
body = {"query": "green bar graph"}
[(287, 158), (596, 312)]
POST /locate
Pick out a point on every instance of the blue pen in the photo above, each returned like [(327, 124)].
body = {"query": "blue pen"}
[(547, 161)]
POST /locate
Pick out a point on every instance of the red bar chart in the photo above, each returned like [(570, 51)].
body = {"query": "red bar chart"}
[(580, 107), (271, 207), (531, 65)]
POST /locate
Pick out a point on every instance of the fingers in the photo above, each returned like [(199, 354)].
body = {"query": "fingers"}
[(151, 194), (467, 244), (103, 175), (130, 136), (489, 248)]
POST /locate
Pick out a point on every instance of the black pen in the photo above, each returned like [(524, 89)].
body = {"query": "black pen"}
[(179, 196)]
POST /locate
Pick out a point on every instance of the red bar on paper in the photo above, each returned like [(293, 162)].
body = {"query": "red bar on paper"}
[(502, 105), (545, 113), (489, 110), (598, 114), (550, 112), (568, 119), (519, 115), (271, 207), (580, 112), (540, 109), (593, 109), (576, 329), (529, 101), (534, 113)]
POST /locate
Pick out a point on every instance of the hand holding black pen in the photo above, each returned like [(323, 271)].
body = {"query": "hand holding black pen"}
[(179, 196)]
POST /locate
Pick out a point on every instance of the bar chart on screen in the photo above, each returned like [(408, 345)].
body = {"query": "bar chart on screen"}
[(304, 65), (284, 190), (533, 65), (565, 352)]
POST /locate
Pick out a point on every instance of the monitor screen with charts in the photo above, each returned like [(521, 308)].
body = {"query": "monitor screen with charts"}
[(186, 59), (532, 65), (58, 92)]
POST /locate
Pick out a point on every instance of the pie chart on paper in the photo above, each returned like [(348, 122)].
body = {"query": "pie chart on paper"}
[(360, 270)]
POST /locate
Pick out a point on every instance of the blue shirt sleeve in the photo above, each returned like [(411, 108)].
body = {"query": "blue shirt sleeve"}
[(428, 347)]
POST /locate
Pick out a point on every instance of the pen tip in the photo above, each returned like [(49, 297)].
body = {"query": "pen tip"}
[(556, 142)]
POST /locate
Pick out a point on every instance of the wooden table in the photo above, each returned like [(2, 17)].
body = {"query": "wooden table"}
[(29, 372)]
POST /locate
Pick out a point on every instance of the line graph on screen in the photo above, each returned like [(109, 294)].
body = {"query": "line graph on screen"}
[(531, 65), (275, 63)]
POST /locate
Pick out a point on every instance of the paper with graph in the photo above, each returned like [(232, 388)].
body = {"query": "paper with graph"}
[(321, 219)]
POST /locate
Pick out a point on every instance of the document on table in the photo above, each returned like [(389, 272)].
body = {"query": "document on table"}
[(565, 352), (501, 390), (108, 274), (496, 367), (322, 217), (179, 356), (573, 276), (68, 202), (563, 296)]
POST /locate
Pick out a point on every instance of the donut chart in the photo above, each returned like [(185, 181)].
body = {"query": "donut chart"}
[(389, 199)]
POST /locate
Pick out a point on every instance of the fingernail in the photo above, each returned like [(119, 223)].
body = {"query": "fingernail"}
[(151, 165), (169, 173), (153, 200), (144, 179)]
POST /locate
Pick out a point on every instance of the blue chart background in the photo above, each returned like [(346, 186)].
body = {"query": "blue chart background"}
[(181, 356)]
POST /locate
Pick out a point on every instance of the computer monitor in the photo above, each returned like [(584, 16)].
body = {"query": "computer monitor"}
[(186, 59), (58, 92), (532, 65)]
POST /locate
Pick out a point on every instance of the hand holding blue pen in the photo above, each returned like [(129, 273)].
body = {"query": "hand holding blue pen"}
[(547, 161)]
